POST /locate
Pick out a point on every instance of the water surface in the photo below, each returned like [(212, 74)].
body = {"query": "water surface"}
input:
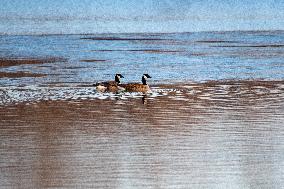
[(214, 118), (169, 58)]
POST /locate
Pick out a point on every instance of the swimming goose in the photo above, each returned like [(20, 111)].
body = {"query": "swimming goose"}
[(110, 86), (138, 87)]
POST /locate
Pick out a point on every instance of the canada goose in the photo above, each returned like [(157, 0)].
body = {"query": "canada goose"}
[(138, 87), (110, 86)]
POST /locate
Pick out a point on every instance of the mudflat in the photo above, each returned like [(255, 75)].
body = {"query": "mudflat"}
[(6, 62), (212, 134)]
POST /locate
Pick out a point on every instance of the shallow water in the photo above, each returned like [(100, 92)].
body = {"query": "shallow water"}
[(212, 135), (168, 58), (57, 131)]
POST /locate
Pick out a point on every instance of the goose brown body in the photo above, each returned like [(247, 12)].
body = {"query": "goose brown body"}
[(110, 86), (138, 87)]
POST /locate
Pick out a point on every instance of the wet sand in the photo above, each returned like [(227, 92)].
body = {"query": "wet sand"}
[(253, 46), (216, 41), (6, 62), (217, 134), (120, 39), (140, 50), (92, 60), (19, 74)]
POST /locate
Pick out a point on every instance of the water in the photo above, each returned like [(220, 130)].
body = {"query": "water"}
[(169, 58), (214, 118)]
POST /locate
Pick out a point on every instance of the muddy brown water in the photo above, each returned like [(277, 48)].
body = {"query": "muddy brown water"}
[(219, 135)]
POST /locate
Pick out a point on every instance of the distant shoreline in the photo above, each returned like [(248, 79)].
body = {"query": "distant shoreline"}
[(141, 33)]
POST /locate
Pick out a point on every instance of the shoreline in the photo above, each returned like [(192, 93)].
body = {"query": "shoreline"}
[(141, 33)]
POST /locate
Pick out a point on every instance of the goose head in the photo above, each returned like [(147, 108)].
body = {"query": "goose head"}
[(144, 78), (117, 78)]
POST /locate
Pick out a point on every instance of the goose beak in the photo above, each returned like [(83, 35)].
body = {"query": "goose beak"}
[(147, 75), (119, 75)]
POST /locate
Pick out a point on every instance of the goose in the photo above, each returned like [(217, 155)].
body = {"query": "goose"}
[(138, 87), (110, 86)]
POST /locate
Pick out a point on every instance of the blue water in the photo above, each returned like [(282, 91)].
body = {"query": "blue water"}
[(168, 58)]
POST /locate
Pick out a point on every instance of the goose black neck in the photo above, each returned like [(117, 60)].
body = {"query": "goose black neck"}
[(144, 81), (117, 80)]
